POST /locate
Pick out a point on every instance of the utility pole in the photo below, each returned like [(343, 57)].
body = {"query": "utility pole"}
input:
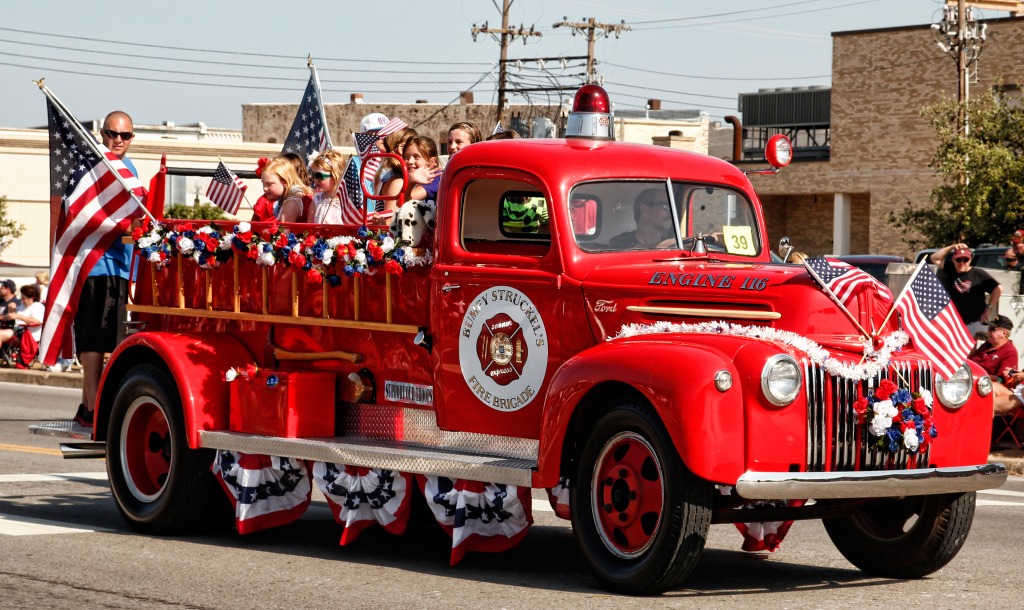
[(961, 37), (593, 30), (508, 36)]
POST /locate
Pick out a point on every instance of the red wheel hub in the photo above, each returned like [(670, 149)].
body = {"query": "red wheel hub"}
[(628, 494), (146, 449)]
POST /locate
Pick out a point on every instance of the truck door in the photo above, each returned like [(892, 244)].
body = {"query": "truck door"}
[(496, 305)]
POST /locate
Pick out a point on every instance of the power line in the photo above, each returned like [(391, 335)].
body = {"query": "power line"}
[(700, 77), (508, 35), (593, 29), (813, 10), (746, 12)]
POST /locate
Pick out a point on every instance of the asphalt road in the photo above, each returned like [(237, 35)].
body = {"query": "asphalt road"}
[(63, 544)]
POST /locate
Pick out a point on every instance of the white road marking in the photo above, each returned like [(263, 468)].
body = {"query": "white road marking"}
[(1002, 492), (998, 503), (26, 526), (43, 478)]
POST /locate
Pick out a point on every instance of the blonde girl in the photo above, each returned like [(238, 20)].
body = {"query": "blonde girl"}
[(461, 135), (282, 183), (327, 172)]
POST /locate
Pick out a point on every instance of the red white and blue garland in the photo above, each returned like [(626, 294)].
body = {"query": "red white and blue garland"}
[(875, 360), (897, 418), (360, 497), (266, 491)]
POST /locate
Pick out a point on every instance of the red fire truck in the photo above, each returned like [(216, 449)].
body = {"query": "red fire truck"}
[(596, 318)]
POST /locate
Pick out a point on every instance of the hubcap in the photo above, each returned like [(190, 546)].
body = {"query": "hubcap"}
[(146, 449), (627, 494)]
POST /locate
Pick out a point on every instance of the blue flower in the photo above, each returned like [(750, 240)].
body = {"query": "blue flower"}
[(362, 232), (272, 381), (349, 270), (333, 279), (308, 265), (902, 397)]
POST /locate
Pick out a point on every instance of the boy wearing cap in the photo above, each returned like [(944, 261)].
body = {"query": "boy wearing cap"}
[(370, 124), (997, 355), (8, 296), (967, 286)]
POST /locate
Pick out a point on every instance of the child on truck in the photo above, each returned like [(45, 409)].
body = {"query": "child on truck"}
[(282, 183), (327, 172), (424, 168)]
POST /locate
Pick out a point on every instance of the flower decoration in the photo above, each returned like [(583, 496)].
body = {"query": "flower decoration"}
[(212, 245), (260, 164), (898, 418), (246, 372)]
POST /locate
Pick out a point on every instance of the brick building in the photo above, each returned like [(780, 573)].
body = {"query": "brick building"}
[(880, 146)]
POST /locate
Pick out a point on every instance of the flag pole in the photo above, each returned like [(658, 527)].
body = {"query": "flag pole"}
[(323, 111), (906, 287), (834, 298), (91, 143)]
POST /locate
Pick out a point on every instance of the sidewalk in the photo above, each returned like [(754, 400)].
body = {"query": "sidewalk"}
[(1013, 458)]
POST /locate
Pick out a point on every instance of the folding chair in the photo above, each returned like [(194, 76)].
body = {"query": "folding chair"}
[(9, 352), (1009, 420)]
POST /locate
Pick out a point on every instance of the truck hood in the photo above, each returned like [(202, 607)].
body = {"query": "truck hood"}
[(781, 296)]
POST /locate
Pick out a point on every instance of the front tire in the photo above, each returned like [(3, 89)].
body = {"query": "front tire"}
[(160, 485), (641, 517), (906, 537)]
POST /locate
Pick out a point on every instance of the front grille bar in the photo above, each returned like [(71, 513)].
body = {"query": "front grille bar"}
[(835, 442)]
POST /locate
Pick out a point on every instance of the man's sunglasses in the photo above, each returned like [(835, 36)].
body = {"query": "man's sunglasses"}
[(320, 176), (113, 135), (961, 260)]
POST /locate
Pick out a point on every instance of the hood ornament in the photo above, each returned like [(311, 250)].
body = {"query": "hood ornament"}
[(699, 248)]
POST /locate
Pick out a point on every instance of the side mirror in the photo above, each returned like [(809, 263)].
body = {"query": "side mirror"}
[(785, 249)]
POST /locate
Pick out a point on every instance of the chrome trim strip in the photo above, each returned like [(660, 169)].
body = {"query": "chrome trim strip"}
[(393, 455), (871, 484), (740, 314), (61, 429)]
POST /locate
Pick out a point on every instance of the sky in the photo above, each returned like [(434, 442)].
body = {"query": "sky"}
[(189, 61)]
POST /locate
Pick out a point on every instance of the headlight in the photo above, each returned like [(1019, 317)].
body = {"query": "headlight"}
[(780, 380), (984, 386), (955, 391)]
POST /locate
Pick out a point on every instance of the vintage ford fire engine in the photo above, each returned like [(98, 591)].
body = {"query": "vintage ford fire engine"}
[(595, 318)]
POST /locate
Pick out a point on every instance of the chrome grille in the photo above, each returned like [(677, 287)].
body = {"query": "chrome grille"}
[(835, 442)]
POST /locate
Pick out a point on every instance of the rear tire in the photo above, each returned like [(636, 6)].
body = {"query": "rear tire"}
[(160, 485), (906, 537), (641, 517)]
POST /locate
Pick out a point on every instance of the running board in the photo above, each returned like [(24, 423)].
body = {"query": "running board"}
[(391, 455), (64, 429)]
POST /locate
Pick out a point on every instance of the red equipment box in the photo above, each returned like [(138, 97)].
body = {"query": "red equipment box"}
[(298, 405)]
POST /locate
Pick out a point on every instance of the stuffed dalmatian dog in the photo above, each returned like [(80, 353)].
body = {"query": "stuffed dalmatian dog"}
[(413, 223)]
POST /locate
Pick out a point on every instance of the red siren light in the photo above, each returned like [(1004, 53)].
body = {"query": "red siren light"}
[(591, 98), (778, 151), (591, 114)]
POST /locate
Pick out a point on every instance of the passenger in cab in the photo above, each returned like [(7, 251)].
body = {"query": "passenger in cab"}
[(282, 184), (653, 222), (424, 167), (461, 135), (327, 173), (511, 134)]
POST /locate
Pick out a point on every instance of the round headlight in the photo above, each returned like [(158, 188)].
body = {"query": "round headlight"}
[(780, 380), (984, 385), (955, 391)]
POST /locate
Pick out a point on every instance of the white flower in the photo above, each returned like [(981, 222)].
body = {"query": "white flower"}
[(185, 245), (388, 243), (910, 440), (231, 374), (879, 424), (154, 257), (244, 227), (328, 256), (225, 241), (148, 240), (266, 258), (885, 409), (360, 257), (926, 396)]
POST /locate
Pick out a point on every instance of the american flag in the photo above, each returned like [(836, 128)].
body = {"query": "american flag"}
[(391, 127), (846, 281), (366, 143), (97, 210), (308, 136), (498, 128), (351, 195), (226, 189), (933, 323)]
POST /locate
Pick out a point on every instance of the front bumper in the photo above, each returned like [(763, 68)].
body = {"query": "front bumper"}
[(870, 484)]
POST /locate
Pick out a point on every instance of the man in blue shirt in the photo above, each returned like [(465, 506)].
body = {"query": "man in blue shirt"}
[(101, 307)]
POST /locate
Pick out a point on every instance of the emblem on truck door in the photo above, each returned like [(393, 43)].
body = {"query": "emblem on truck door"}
[(503, 348)]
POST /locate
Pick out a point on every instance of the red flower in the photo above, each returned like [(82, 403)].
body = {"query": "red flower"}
[(314, 275), (296, 258), (860, 406), (260, 164), (907, 425), (252, 253), (186, 227), (309, 241), (245, 238), (281, 240), (392, 267), (250, 370), (885, 389), (920, 407)]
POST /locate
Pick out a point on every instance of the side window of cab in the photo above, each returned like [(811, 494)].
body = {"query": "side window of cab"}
[(505, 217)]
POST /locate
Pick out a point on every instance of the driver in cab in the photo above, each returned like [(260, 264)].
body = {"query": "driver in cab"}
[(653, 223)]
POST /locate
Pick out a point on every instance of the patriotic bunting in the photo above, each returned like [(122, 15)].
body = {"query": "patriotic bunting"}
[(266, 491), (482, 517), (360, 497)]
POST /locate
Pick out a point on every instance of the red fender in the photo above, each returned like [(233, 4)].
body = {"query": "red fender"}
[(197, 364), (677, 377)]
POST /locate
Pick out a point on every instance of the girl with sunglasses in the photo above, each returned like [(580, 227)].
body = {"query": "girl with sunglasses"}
[(327, 173)]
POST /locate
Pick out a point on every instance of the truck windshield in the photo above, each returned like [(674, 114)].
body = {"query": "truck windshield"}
[(619, 216)]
